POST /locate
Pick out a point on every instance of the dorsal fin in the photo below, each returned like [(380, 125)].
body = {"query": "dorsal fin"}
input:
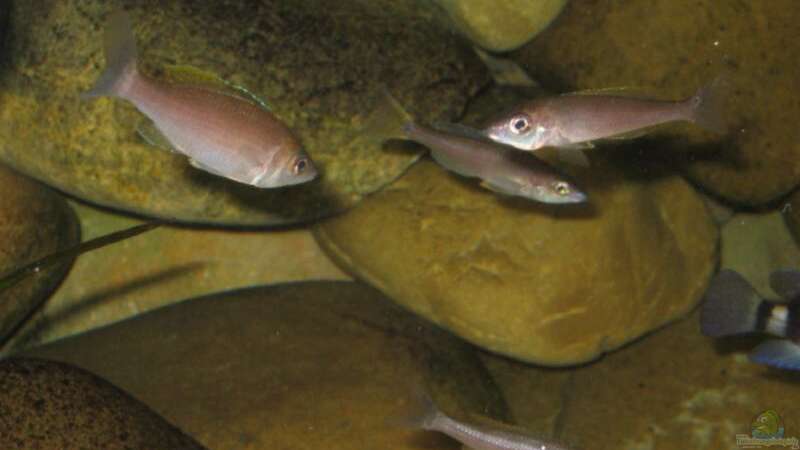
[(619, 91), (199, 77)]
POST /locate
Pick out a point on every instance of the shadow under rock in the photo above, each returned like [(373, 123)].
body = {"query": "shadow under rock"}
[(28, 335)]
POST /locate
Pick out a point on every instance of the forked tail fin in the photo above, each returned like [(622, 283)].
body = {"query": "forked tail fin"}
[(706, 106), (120, 51)]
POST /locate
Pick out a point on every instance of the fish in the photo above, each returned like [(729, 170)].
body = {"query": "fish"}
[(574, 121), (732, 307), (483, 434), (221, 131), (466, 152)]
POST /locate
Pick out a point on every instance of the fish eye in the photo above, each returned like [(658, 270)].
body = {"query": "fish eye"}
[(519, 124), (300, 166), (561, 188)]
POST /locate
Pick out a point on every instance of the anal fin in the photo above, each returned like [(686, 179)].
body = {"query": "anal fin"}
[(153, 136)]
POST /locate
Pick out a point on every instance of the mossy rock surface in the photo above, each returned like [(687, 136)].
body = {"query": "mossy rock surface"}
[(49, 405), (34, 222), (305, 365), (320, 66), (546, 284), (673, 47)]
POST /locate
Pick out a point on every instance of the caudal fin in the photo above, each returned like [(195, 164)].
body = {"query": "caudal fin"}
[(419, 412), (782, 353), (388, 121), (706, 106), (730, 306), (120, 51)]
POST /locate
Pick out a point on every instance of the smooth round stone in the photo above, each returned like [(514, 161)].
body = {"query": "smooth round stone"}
[(318, 365), (34, 222), (751, 46), (757, 244), (49, 405), (502, 26), (547, 284), (321, 67)]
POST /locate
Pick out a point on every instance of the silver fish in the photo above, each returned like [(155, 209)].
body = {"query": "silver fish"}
[(575, 120), (732, 307), (501, 168), (483, 435), (222, 133)]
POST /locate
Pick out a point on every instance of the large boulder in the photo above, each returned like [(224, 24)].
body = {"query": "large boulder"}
[(501, 26), (673, 47), (165, 266), (546, 284), (320, 66), (48, 405), (34, 222), (307, 365)]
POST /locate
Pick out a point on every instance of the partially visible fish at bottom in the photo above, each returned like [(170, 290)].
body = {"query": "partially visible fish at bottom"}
[(485, 434)]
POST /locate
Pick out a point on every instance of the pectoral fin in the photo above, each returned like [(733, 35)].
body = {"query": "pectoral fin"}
[(153, 136)]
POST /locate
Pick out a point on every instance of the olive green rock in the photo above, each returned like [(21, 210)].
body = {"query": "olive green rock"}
[(320, 66), (547, 284), (48, 405), (755, 245), (674, 47), (308, 365), (501, 26), (34, 222)]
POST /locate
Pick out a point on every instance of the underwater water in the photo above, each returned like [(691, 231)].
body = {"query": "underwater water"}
[(405, 224)]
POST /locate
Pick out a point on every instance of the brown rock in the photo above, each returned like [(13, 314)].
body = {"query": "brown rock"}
[(320, 66), (501, 26), (308, 365), (34, 222), (674, 47), (47, 405), (165, 266), (541, 283), (676, 389)]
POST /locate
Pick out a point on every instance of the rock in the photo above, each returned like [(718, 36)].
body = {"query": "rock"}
[(49, 405), (676, 389), (540, 283), (502, 26), (757, 244), (165, 266), (321, 67), (34, 222), (307, 365), (751, 45)]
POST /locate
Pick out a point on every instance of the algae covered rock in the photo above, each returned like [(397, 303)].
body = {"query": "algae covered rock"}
[(49, 405), (34, 222), (502, 26), (540, 283), (306, 365), (674, 47), (319, 65)]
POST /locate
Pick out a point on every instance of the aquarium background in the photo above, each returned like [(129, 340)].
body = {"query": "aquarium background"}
[(310, 316)]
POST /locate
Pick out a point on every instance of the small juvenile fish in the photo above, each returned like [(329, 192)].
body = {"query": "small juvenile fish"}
[(575, 120), (479, 436), (221, 133), (733, 307), (501, 168)]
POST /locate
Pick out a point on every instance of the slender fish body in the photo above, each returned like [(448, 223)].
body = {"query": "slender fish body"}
[(480, 436), (221, 133), (733, 307), (501, 168), (578, 119)]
